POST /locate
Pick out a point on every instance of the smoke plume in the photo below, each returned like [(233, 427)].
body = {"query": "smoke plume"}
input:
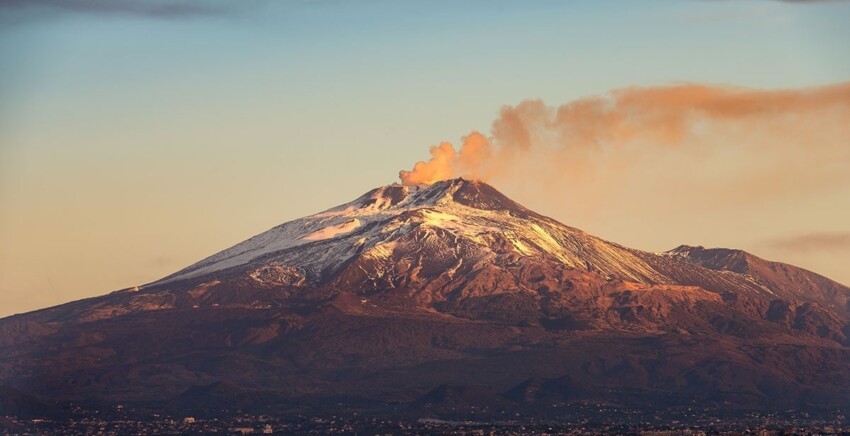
[(792, 132)]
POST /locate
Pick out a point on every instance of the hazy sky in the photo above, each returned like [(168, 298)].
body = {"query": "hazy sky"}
[(139, 137)]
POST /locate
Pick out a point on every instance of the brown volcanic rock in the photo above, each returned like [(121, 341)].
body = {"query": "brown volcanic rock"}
[(787, 281), (451, 289), (802, 300)]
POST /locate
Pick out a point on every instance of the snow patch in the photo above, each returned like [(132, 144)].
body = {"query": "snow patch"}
[(437, 219), (381, 251), (545, 241), (521, 247), (333, 231), (457, 226)]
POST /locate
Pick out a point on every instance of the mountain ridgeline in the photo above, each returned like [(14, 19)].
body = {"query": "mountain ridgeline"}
[(446, 300)]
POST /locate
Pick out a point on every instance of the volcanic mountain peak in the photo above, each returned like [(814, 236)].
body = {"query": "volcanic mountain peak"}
[(455, 221), (395, 235), (340, 223), (442, 288), (470, 193)]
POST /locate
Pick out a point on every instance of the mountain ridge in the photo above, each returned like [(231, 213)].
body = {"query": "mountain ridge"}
[(796, 281)]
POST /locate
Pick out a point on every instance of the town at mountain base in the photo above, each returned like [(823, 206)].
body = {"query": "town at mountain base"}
[(448, 300)]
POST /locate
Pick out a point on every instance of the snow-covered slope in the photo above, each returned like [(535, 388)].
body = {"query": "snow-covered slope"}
[(450, 225), (468, 211)]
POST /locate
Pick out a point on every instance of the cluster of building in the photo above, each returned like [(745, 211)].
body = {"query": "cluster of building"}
[(588, 419)]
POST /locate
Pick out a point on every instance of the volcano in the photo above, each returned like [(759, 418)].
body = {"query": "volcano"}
[(448, 299)]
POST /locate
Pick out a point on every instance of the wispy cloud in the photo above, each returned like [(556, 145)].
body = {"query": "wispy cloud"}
[(22, 10), (812, 242)]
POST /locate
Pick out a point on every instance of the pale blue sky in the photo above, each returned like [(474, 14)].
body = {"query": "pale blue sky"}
[(167, 138)]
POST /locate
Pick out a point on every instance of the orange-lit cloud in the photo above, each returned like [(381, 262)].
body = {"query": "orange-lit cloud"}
[(439, 167), (800, 131), (445, 162)]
